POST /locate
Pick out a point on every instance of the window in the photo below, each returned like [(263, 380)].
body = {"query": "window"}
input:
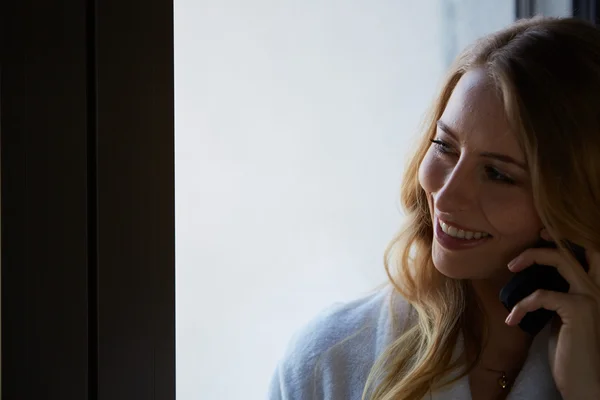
[(292, 124)]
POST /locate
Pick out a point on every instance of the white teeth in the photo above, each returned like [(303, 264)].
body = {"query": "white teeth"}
[(460, 233)]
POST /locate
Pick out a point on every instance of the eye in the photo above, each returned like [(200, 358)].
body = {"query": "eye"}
[(497, 176), (493, 174), (440, 145)]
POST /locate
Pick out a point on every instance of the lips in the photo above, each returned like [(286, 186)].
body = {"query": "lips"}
[(455, 243), (454, 231), (460, 227)]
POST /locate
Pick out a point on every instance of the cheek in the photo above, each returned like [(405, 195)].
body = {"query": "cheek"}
[(511, 212)]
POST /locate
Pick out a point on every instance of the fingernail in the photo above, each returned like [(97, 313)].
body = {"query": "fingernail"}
[(507, 321), (513, 263)]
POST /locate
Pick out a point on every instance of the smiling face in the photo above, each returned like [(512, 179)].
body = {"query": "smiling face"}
[(475, 178)]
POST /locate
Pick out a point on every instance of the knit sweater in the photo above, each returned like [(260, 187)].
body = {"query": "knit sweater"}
[(331, 357)]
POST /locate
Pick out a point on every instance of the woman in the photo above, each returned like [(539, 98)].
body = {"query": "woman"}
[(510, 153)]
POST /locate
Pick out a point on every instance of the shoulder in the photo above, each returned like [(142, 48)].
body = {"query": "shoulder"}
[(339, 345), (342, 321)]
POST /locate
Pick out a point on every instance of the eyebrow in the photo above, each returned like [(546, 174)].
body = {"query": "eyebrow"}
[(497, 156)]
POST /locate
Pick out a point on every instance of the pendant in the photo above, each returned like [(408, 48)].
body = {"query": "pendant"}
[(503, 381)]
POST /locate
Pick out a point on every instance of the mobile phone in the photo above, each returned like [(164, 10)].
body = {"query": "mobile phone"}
[(535, 277)]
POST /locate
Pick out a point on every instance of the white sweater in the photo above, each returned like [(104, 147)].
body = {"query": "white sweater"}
[(314, 369)]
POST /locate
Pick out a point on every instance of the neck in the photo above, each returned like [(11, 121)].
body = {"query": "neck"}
[(506, 347)]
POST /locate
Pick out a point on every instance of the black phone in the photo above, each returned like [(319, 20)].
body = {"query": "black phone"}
[(535, 277)]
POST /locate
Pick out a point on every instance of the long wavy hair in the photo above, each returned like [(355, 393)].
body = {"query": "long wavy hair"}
[(547, 73)]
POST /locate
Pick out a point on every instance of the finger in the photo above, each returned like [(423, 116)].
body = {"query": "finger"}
[(571, 271), (593, 259), (569, 307)]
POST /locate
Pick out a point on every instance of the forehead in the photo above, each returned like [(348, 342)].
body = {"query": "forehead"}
[(476, 114)]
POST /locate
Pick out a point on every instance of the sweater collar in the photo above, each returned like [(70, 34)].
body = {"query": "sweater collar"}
[(534, 381)]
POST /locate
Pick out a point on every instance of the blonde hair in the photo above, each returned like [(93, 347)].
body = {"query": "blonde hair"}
[(547, 72)]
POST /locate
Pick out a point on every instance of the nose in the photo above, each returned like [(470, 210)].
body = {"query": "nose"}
[(459, 191)]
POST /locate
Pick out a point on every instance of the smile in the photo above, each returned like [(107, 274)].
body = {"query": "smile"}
[(456, 238), (461, 233)]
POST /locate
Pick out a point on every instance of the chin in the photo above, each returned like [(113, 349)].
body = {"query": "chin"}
[(454, 271), (461, 270)]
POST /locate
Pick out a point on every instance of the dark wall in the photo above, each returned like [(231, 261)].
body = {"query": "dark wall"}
[(87, 168)]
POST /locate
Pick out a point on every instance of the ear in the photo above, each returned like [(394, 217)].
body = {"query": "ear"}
[(544, 235)]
